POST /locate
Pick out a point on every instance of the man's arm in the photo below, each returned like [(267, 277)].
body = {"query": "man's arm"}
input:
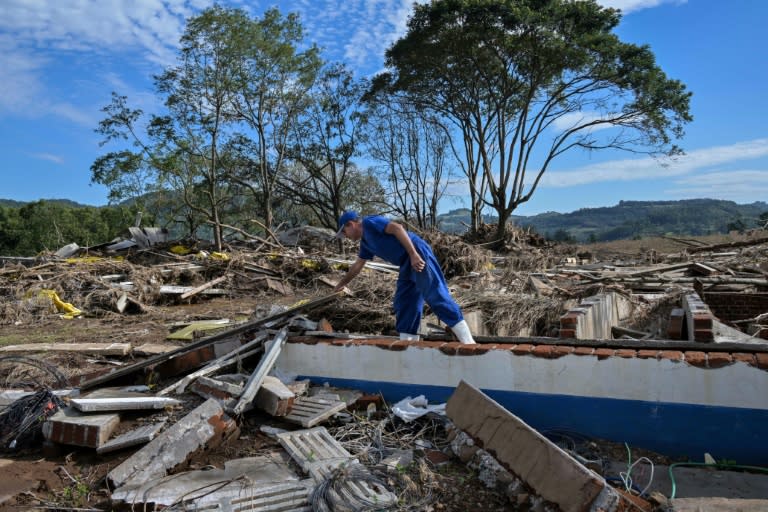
[(355, 269), (399, 232)]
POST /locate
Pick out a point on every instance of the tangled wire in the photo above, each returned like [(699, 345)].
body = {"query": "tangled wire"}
[(22, 422)]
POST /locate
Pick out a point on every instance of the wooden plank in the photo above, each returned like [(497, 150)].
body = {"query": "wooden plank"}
[(101, 349), (248, 326), (239, 353), (187, 332), (202, 287)]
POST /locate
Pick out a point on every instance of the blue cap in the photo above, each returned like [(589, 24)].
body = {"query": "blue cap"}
[(346, 217)]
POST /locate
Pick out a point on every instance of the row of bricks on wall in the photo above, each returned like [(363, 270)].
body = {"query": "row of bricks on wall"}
[(696, 358)]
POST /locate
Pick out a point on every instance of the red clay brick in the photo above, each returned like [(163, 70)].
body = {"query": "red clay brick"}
[(672, 355), (696, 358), (743, 357), (400, 345), (380, 342), (523, 348), (570, 319), (451, 348), (718, 359), (504, 346), (626, 353), (567, 333), (542, 351), (762, 361), (702, 321), (429, 344), (703, 335), (647, 354), (583, 351), (472, 350), (604, 353), (561, 350)]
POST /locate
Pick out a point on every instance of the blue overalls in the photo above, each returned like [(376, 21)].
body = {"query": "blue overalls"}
[(413, 288)]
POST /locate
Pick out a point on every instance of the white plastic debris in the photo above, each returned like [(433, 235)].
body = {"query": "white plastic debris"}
[(409, 409)]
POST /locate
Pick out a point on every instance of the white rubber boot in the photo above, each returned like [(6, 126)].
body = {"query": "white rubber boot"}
[(461, 331), (409, 337)]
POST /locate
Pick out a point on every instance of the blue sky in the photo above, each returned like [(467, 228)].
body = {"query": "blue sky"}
[(60, 60)]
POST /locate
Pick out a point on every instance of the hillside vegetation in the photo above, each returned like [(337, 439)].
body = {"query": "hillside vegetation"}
[(30, 228), (633, 220)]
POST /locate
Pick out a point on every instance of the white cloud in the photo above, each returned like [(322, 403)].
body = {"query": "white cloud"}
[(385, 21), (51, 158), (628, 6), (152, 26), (568, 121), (739, 185), (650, 168)]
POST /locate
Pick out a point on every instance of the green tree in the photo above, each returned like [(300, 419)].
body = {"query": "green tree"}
[(11, 231), (273, 91), (413, 150), (525, 81), (324, 143), (200, 95), (763, 220)]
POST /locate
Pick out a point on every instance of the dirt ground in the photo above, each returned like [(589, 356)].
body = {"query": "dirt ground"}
[(70, 478)]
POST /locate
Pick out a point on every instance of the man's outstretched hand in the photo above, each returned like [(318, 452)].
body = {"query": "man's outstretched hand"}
[(417, 262)]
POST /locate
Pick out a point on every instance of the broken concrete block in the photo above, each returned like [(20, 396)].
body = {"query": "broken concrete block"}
[(299, 387), (274, 397), (205, 427), (130, 402), (550, 471), (135, 437), (69, 426), (717, 504), (699, 318), (227, 394)]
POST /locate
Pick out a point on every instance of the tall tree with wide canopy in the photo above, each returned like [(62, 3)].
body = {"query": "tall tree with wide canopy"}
[(525, 81), (414, 160), (324, 143), (274, 90)]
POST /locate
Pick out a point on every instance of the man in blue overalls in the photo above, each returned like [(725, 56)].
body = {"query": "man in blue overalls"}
[(420, 276)]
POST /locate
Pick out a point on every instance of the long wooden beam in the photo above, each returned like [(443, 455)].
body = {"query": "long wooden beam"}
[(245, 327)]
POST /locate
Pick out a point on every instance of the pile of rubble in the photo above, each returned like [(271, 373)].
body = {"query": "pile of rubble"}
[(328, 449)]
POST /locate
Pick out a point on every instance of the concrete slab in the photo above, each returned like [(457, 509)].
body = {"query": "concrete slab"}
[(135, 437), (697, 481), (126, 403), (274, 397), (205, 427), (227, 394), (252, 484), (550, 471), (69, 426), (717, 505)]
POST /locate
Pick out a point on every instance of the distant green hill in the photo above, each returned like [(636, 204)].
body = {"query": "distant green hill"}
[(10, 203), (631, 219)]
